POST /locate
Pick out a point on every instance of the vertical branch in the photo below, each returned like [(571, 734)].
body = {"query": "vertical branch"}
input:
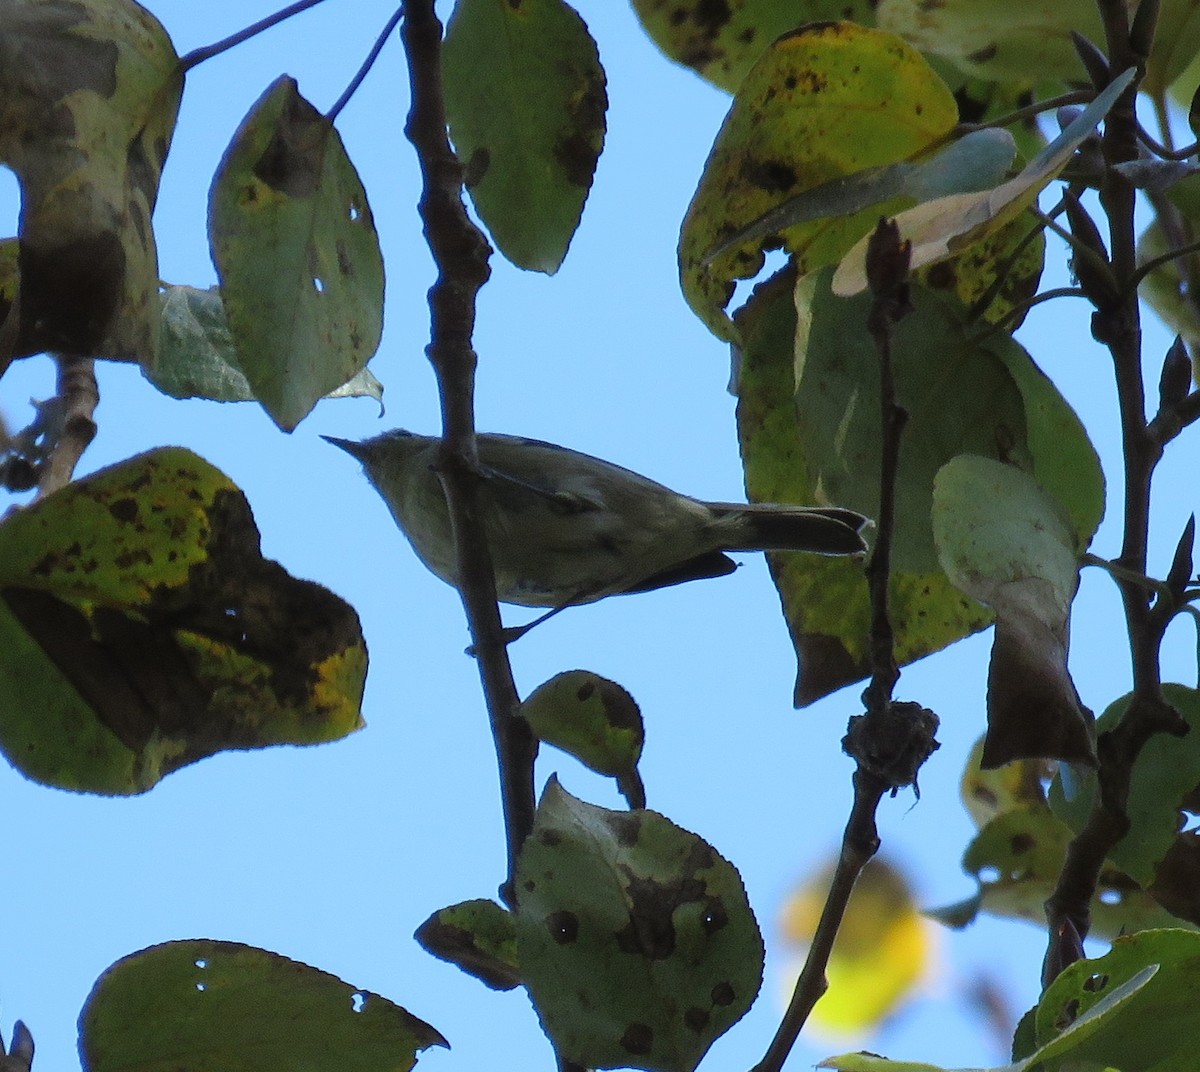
[(1116, 324), (891, 741), (461, 253), (887, 266)]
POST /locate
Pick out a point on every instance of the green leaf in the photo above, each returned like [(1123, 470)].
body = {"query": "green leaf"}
[(596, 721), (1021, 41), (196, 357), (809, 431), (1080, 1047), (478, 936), (1002, 539), (1176, 46), (525, 99), (142, 630), (1152, 1030), (635, 938), (947, 226), (721, 43), (228, 1007), (1016, 859), (1164, 783), (822, 103), (296, 251), (91, 89)]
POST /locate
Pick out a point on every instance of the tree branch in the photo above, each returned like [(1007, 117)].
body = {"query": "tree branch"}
[(461, 253)]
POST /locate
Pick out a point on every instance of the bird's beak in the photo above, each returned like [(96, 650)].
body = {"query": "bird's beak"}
[(351, 446)]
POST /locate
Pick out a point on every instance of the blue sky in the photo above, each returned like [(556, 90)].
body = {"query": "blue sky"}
[(334, 855)]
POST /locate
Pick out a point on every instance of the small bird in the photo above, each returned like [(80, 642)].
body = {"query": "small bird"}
[(565, 528)]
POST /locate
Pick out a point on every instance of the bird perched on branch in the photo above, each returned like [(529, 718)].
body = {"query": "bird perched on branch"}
[(565, 528)]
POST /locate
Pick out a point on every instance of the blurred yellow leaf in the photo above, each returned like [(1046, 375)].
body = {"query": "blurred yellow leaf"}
[(883, 950)]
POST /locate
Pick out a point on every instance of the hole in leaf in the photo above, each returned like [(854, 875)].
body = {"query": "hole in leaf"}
[(10, 202), (354, 213), (358, 1001), (1111, 897), (318, 284), (202, 963), (989, 875), (202, 987)]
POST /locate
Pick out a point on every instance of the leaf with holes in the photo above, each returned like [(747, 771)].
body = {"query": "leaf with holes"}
[(295, 247), (91, 89), (234, 1008), (141, 629), (635, 937)]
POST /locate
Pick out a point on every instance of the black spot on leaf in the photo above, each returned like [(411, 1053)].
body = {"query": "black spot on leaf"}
[(563, 926), (638, 1039)]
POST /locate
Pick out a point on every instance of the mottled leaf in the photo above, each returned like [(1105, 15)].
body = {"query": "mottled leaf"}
[(634, 936), (525, 99), (142, 630), (596, 721), (295, 247), (720, 42), (478, 936), (1016, 859), (227, 1007), (90, 90), (822, 103)]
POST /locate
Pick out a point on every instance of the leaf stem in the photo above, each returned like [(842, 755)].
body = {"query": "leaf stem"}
[(207, 52), (367, 64)]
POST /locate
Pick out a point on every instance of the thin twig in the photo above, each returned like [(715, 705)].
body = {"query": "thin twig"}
[(367, 64), (461, 254), (1032, 111), (891, 740), (1160, 150), (207, 52), (1157, 262), (79, 395), (1025, 306), (860, 842)]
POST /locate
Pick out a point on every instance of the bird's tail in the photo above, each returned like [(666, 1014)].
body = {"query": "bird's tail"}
[(824, 530)]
